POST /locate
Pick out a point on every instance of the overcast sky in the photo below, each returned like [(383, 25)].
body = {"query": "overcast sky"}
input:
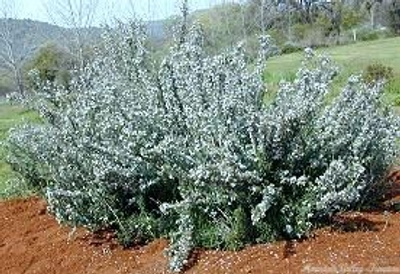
[(146, 9)]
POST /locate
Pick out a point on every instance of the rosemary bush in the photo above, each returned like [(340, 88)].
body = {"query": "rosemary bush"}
[(187, 149)]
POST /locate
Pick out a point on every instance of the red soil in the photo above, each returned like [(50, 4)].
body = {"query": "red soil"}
[(31, 241)]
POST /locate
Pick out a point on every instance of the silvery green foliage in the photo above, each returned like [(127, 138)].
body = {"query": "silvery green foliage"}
[(188, 143), (181, 239), (29, 148)]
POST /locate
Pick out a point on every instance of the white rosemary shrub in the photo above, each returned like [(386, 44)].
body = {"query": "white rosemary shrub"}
[(188, 149)]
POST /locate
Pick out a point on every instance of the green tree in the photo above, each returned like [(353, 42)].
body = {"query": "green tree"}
[(223, 26), (52, 62)]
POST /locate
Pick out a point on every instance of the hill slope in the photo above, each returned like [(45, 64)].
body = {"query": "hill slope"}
[(352, 58), (30, 34)]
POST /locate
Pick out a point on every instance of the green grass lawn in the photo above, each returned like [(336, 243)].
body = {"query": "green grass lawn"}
[(10, 116), (352, 59)]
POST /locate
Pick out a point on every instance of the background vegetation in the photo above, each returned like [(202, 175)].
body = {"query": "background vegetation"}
[(294, 26)]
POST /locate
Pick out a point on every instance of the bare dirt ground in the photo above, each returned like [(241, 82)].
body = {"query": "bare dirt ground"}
[(31, 241)]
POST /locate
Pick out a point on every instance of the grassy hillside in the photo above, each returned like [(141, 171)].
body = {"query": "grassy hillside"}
[(351, 59)]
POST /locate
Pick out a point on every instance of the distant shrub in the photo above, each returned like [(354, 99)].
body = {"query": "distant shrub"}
[(377, 72), (315, 38), (187, 149), (277, 35), (289, 47), (367, 34), (299, 30)]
